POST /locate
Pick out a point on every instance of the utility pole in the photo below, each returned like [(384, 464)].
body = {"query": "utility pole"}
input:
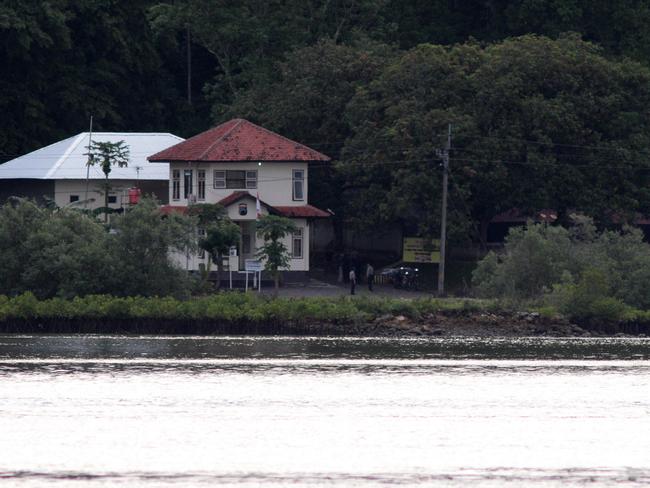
[(443, 218), (188, 47), (90, 141)]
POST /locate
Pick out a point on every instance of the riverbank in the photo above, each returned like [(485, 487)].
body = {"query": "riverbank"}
[(239, 313)]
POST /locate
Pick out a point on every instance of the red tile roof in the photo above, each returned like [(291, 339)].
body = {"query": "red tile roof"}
[(234, 197), (238, 140), (304, 211), (301, 211)]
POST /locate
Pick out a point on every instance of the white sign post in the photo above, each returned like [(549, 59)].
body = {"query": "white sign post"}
[(231, 254), (254, 266)]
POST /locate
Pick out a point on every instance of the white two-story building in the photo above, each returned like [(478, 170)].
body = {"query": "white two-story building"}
[(236, 164)]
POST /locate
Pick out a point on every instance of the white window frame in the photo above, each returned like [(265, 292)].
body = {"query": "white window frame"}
[(298, 235), (176, 184), (200, 186), (251, 179), (298, 179), (219, 179)]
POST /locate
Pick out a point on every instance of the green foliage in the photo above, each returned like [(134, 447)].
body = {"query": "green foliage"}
[(141, 245), (108, 154), (534, 259), (581, 272), (66, 253), (528, 133), (220, 234), (590, 299), (272, 229), (226, 307)]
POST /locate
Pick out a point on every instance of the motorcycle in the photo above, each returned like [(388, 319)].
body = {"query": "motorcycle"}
[(406, 278)]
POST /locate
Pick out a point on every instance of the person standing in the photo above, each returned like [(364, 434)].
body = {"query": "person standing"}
[(370, 276), (353, 281)]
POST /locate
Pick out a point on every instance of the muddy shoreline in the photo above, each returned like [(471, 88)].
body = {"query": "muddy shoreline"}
[(441, 324)]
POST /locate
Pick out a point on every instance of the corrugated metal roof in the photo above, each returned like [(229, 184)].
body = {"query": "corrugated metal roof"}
[(238, 140), (66, 159)]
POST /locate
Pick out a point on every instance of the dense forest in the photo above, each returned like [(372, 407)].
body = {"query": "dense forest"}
[(549, 101)]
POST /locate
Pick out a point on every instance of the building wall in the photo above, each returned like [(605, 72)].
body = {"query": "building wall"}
[(65, 189), (274, 181), (193, 262), (37, 190)]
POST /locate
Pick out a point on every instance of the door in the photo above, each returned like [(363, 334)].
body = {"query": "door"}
[(246, 248)]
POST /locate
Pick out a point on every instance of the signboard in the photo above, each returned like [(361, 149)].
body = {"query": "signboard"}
[(420, 250), (253, 265)]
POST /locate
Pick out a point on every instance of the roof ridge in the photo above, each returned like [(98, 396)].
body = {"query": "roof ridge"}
[(239, 122), (309, 149), (65, 155)]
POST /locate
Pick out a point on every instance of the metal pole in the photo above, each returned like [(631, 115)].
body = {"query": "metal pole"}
[(90, 140), (443, 218), (189, 66)]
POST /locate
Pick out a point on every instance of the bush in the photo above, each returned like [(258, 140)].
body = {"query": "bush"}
[(590, 299), (581, 272)]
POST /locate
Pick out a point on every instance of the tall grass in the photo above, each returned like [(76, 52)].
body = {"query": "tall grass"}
[(227, 307)]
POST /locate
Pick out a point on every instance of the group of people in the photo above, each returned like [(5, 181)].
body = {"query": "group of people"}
[(370, 278)]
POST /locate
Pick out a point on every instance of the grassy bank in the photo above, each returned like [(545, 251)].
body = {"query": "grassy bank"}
[(239, 313), (228, 307)]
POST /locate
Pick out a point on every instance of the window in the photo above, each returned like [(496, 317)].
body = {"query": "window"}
[(187, 181), (176, 184), (251, 179), (296, 244), (112, 198), (246, 244), (201, 237), (201, 183), (235, 179), (74, 198), (219, 179), (298, 184)]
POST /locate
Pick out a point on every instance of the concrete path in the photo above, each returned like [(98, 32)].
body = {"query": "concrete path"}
[(318, 288)]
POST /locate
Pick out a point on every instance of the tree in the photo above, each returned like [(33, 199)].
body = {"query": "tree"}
[(272, 229), (308, 101), (108, 154), (142, 244), (52, 252), (538, 123), (220, 234)]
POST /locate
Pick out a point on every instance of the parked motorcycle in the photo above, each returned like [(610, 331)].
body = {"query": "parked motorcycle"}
[(406, 278)]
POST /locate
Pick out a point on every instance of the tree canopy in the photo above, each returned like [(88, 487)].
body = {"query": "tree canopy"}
[(547, 99)]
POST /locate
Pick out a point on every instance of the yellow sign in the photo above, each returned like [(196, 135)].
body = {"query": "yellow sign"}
[(420, 250)]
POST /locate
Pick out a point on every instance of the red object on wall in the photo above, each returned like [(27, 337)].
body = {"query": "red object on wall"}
[(134, 196)]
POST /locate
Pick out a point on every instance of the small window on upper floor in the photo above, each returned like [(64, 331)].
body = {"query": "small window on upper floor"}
[(298, 184), (74, 198), (112, 198)]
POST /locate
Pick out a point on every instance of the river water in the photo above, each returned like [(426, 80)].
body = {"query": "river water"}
[(175, 411)]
